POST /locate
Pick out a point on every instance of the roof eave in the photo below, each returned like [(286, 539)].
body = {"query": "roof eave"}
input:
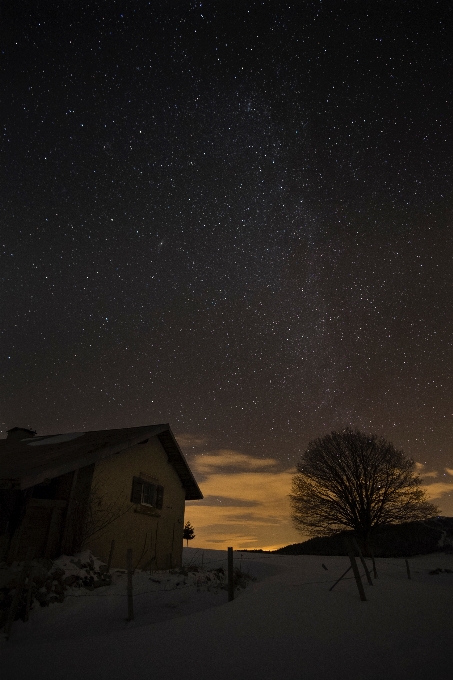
[(177, 459), (41, 474), (163, 432)]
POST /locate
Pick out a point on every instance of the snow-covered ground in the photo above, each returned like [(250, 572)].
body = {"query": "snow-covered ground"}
[(284, 625)]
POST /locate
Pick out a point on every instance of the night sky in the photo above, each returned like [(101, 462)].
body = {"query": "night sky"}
[(235, 217)]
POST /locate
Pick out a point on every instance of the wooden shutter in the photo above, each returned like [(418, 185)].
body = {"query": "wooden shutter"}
[(159, 497), (136, 493)]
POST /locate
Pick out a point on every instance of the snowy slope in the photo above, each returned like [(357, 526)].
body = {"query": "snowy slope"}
[(284, 625)]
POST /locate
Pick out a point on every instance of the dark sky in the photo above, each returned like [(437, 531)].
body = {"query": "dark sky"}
[(235, 217)]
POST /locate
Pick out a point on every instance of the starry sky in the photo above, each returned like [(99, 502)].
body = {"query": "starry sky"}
[(235, 217)]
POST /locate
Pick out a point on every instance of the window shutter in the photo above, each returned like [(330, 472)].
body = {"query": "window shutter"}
[(160, 497), (136, 494)]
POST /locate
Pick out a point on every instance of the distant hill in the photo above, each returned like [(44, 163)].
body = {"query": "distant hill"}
[(392, 540)]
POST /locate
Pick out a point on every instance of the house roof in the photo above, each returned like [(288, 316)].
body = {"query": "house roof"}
[(30, 461)]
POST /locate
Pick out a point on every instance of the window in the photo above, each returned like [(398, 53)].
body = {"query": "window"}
[(146, 493)]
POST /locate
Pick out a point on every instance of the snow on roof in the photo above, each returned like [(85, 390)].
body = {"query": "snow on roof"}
[(26, 462), (52, 439)]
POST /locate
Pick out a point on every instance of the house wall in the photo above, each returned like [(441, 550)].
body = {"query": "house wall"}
[(48, 518), (12, 511), (155, 536), (72, 536)]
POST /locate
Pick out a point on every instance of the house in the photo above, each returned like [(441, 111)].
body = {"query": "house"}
[(62, 492)]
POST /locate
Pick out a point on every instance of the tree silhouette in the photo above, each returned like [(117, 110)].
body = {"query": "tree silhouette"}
[(351, 480), (188, 533)]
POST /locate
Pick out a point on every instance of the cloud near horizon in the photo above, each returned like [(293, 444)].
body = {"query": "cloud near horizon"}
[(186, 440), (246, 503), (435, 491), (420, 469), (233, 481), (224, 501), (207, 463)]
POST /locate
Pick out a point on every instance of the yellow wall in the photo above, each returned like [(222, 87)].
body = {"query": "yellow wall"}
[(111, 492)]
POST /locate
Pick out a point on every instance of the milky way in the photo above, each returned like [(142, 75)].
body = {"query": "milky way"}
[(231, 216)]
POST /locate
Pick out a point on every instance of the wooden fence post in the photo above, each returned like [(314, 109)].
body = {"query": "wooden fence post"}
[(338, 580), (364, 564), (230, 575), (109, 563), (29, 594), (358, 580), (130, 602), (374, 564), (408, 569)]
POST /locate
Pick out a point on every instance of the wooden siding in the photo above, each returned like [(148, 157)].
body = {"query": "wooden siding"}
[(155, 535)]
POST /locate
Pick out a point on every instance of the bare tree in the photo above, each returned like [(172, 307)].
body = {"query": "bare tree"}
[(351, 480)]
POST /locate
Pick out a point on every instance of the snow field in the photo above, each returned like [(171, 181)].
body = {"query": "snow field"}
[(286, 624)]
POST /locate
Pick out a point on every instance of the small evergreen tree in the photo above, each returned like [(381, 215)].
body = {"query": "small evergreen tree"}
[(188, 533)]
